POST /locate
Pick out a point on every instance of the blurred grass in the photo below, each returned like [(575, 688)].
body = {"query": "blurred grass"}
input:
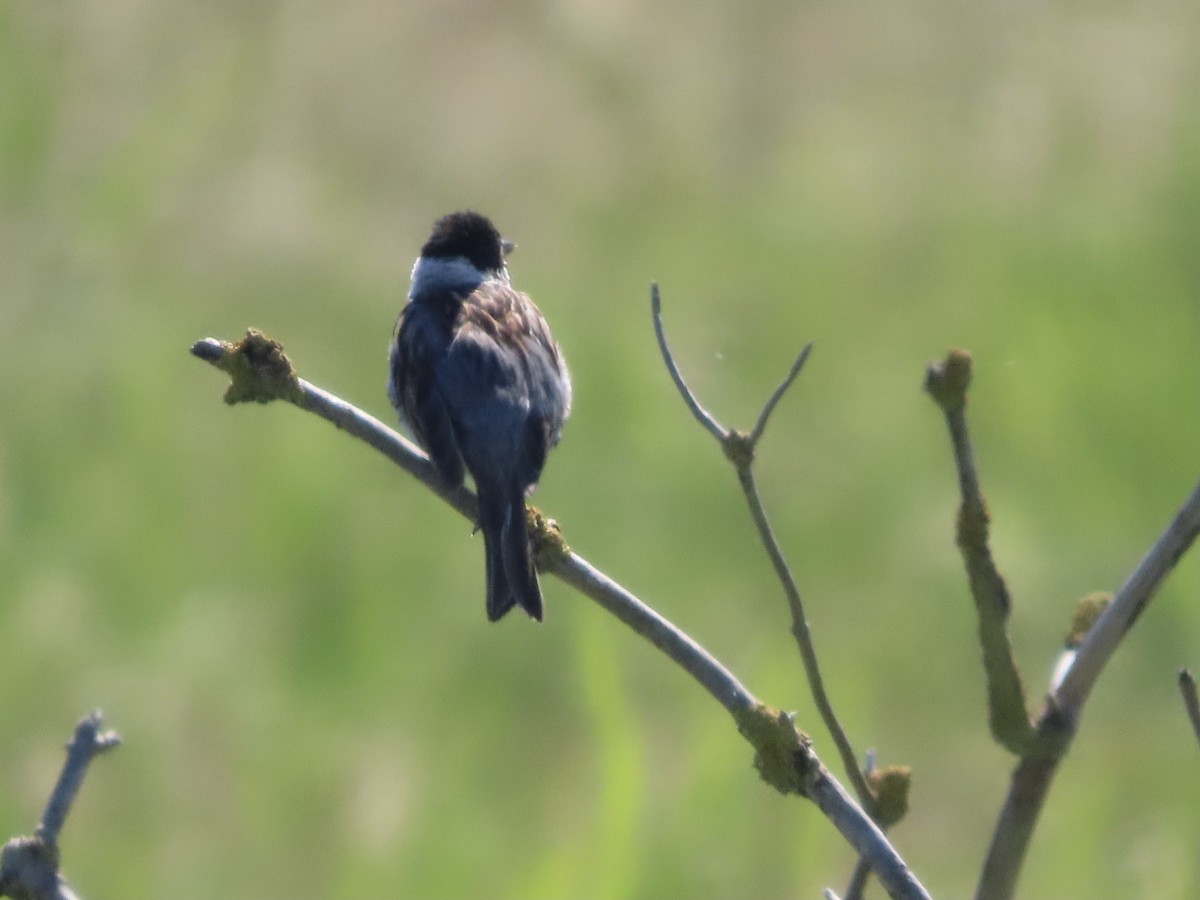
[(290, 636)]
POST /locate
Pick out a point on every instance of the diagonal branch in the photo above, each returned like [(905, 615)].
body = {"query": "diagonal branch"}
[(1127, 604), (260, 372), (739, 448), (947, 383)]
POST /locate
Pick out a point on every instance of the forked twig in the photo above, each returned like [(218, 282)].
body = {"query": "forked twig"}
[(1056, 725), (1043, 745), (739, 448)]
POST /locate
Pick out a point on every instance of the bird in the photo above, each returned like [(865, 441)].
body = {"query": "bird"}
[(480, 383)]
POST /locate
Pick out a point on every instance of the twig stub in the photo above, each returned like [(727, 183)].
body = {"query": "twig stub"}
[(29, 866), (1087, 611), (891, 785), (258, 368), (781, 751), (739, 448), (87, 742), (550, 548), (948, 380)]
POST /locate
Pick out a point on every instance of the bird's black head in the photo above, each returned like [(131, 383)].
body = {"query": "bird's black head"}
[(469, 235)]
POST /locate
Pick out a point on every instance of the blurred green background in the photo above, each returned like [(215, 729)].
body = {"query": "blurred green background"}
[(290, 634)]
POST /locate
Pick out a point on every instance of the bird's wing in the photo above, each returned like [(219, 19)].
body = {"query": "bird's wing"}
[(416, 393), (501, 380)]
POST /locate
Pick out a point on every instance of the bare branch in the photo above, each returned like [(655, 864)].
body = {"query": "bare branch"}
[(29, 866), (675, 643), (740, 449), (1191, 702), (947, 383), (1098, 628), (261, 372)]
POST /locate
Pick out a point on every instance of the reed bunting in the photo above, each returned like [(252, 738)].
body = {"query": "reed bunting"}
[(480, 383)]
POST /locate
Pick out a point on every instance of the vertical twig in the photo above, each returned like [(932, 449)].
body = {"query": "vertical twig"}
[(88, 742), (947, 384)]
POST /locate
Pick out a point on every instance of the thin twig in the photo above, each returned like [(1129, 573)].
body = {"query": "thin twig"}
[(862, 872), (803, 636), (890, 786), (777, 394), (703, 416), (947, 383), (1191, 702), (858, 880), (740, 448), (29, 866), (261, 372)]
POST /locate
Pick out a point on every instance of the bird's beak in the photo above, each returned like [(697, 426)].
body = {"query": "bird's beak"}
[(507, 246)]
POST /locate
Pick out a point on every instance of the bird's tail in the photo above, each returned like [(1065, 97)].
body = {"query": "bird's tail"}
[(511, 577)]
